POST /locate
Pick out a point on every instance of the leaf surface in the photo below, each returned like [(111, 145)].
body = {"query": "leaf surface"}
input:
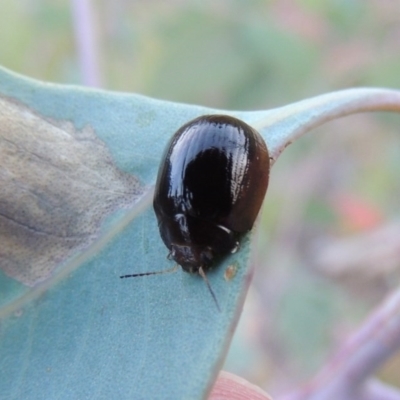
[(77, 175)]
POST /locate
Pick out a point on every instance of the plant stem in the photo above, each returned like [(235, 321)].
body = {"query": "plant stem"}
[(346, 376), (86, 41), (285, 124)]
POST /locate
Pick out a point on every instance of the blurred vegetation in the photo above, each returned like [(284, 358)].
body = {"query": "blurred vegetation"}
[(341, 181)]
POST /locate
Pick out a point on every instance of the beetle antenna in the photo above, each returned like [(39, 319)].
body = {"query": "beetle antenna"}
[(166, 271), (204, 276)]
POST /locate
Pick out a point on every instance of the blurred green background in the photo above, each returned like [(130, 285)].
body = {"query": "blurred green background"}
[(333, 195)]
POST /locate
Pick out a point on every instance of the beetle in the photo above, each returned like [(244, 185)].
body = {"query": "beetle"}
[(209, 190)]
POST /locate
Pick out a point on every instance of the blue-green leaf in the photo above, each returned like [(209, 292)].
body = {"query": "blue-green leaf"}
[(77, 173)]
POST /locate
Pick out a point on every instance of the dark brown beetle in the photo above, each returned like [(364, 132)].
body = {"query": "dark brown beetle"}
[(210, 187)]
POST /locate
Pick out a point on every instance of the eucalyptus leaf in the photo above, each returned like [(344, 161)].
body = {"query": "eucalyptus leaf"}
[(77, 173)]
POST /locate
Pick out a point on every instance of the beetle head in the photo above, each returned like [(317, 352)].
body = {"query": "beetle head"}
[(191, 258)]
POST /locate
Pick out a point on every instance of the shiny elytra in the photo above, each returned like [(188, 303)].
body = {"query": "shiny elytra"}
[(210, 187)]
